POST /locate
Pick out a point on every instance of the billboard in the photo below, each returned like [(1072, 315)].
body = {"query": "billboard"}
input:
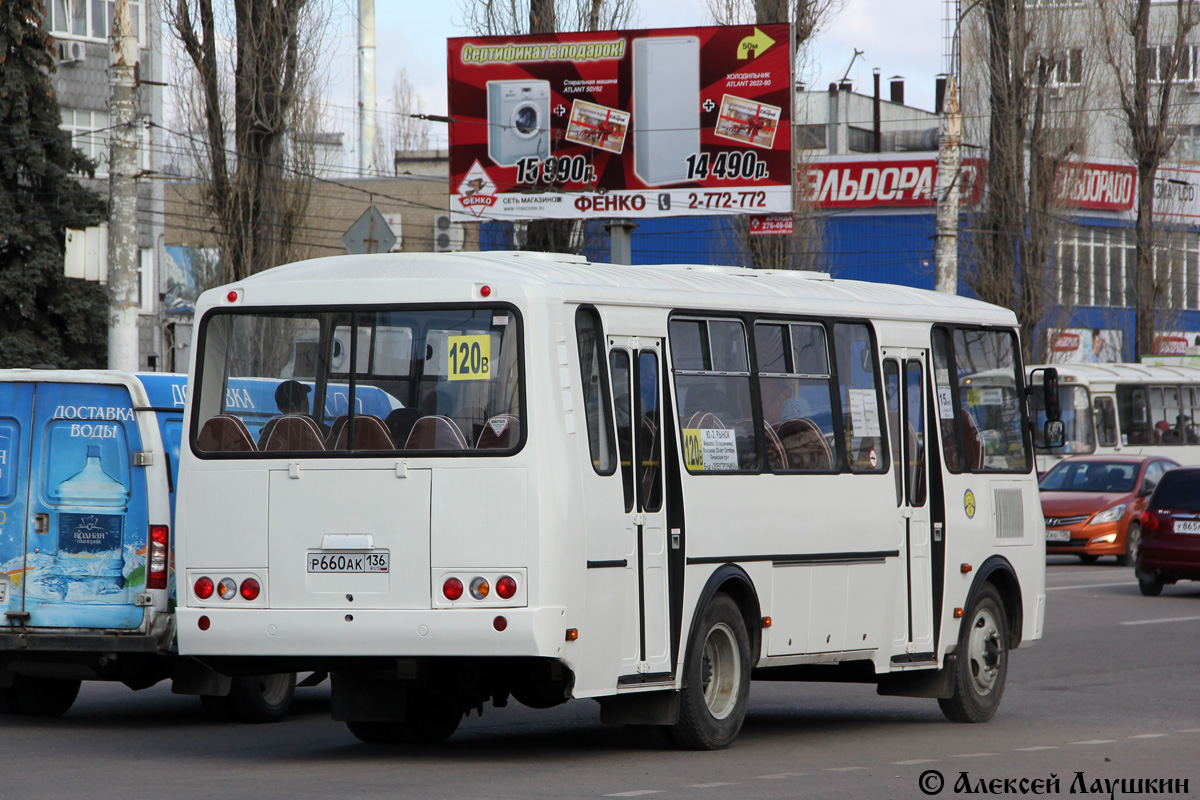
[(891, 180), (638, 123)]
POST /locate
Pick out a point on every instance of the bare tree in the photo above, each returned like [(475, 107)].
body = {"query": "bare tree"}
[(1147, 40), (406, 131), (254, 68), (1032, 90)]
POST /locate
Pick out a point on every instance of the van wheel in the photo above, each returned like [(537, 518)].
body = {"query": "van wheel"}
[(1133, 540), (716, 679), (38, 697), (981, 661), (262, 698)]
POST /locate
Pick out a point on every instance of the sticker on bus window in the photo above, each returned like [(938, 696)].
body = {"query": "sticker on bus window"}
[(974, 396), (470, 357), (713, 450), (991, 397), (945, 402), (864, 414)]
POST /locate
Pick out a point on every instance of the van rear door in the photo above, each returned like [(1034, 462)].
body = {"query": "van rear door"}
[(86, 526), (16, 411)]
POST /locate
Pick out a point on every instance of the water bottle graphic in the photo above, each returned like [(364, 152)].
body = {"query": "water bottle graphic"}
[(90, 535)]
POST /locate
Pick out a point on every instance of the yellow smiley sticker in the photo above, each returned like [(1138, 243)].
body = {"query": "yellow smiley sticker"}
[(969, 504)]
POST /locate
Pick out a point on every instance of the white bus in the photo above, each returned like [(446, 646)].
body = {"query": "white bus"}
[(1126, 408), (641, 485)]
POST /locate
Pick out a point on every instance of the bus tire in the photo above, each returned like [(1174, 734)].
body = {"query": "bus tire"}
[(38, 697), (258, 699), (981, 661), (429, 720), (716, 679)]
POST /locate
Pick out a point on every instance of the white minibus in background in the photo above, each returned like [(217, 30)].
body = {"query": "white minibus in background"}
[(1125, 408), (640, 485)]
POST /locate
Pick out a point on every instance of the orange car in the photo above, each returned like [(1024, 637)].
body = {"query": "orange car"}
[(1092, 504)]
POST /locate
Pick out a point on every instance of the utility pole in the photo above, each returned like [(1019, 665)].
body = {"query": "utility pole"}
[(945, 255), (366, 88), (122, 196)]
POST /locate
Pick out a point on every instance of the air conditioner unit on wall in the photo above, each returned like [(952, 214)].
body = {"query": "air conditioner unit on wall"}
[(447, 236), (71, 52)]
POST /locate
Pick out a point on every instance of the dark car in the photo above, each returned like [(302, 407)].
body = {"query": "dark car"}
[(1170, 548), (1092, 504)]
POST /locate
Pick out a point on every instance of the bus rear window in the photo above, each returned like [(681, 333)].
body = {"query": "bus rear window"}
[(344, 381)]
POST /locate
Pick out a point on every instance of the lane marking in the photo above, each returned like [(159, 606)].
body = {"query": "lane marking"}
[(1160, 621), (780, 776), (843, 769), (973, 755), (1096, 741), (913, 762), (1189, 730), (1091, 585), (707, 785), (636, 793), (1147, 736), (1034, 749)]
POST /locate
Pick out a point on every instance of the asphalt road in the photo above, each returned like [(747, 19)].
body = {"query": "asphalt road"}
[(1112, 692)]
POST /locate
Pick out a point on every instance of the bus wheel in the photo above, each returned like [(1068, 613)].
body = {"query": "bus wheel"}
[(262, 698), (981, 662), (1133, 539), (716, 679), (429, 720), (38, 697)]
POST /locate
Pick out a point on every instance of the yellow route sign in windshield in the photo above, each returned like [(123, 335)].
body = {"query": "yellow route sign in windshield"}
[(470, 357)]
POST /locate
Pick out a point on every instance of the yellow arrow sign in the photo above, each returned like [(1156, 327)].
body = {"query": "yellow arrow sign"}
[(753, 45)]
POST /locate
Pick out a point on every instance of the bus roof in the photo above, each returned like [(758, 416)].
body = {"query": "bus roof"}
[(350, 279), (1118, 373)]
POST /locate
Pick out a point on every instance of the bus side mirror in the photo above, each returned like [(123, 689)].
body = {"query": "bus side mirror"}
[(1050, 402), (1054, 433)]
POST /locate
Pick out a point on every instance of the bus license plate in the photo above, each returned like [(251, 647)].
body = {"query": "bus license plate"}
[(1058, 536), (326, 561), (1187, 526)]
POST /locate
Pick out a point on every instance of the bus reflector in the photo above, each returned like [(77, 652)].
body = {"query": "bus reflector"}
[(958, 613), (506, 587), (965, 568), (766, 622), (157, 579), (572, 634), (203, 623), (203, 588), (499, 623), (480, 588), (452, 588), (227, 588), (250, 589)]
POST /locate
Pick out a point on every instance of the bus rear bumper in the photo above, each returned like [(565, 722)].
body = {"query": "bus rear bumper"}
[(319, 633)]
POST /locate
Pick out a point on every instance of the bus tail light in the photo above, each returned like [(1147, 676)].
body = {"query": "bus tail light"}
[(249, 589), (480, 588), (506, 587), (203, 587), (157, 578), (227, 588), (452, 588)]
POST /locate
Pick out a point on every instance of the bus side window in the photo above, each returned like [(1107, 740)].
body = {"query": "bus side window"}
[(858, 381), (1105, 414), (594, 380)]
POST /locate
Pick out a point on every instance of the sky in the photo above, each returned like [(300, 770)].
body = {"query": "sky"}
[(899, 37)]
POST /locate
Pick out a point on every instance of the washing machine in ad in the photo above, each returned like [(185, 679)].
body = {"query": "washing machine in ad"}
[(518, 121)]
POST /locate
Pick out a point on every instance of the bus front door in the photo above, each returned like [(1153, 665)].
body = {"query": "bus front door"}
[(904, 373), (636, 368)]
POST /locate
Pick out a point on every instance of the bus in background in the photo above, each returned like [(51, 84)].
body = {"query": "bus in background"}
[(1136, 409), (88, 473), (637, 485)]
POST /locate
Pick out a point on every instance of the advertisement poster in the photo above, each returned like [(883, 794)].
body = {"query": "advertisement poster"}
[(637, 123), (1085, 345)]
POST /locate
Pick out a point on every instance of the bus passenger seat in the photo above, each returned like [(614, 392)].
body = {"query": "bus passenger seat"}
[(225, 433), (500, 433), (703, 420), (400, 423), (293, 432), (334, 431), (776, 455), (435, 433), (369, 434), (805, 445)]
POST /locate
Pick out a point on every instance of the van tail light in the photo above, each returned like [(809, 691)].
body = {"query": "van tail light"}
[(1149, 521), (158, 558)]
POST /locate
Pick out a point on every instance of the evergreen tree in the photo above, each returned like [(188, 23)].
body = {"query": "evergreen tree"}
[(45, 318)]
